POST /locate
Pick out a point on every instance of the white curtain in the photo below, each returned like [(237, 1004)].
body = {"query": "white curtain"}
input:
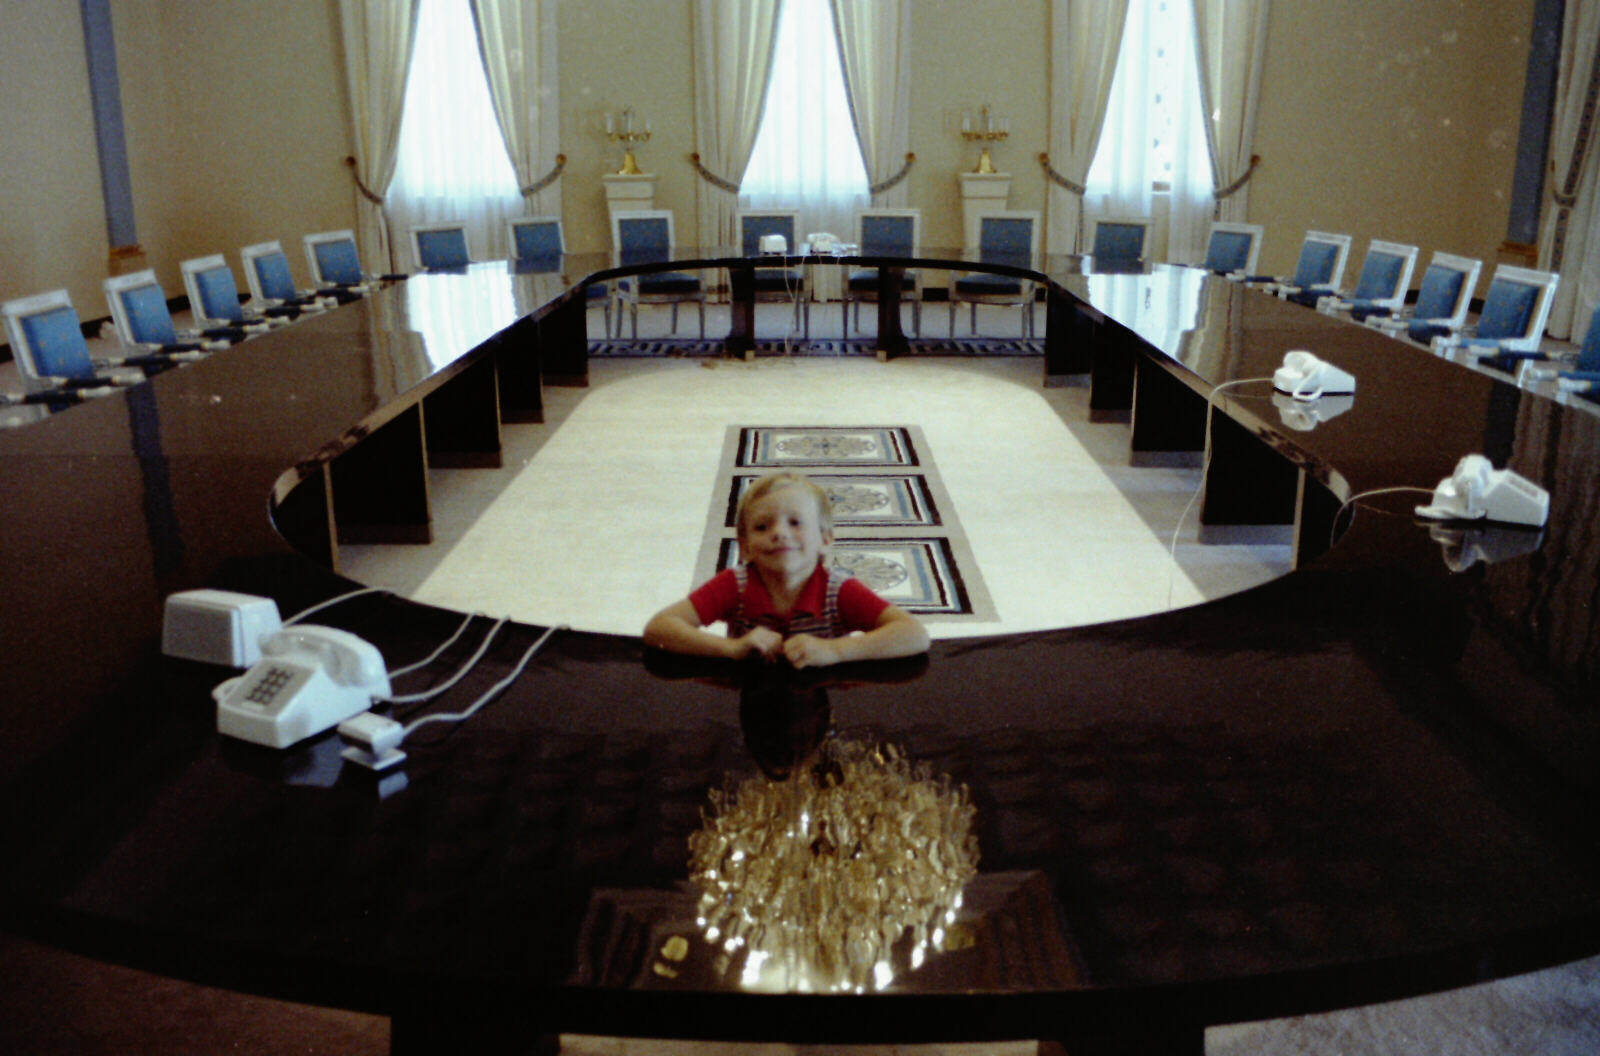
[(1231, 42), (1569, 236), (1086, 37), (517, 41), (806, 155), (1154, 131), (452, 158), (732, 53), (377, 56), (875, 53)]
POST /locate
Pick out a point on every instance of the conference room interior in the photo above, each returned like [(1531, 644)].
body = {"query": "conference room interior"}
[(1404, 126)]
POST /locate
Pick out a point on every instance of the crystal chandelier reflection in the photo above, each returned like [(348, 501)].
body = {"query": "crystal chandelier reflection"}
[(838, 879)]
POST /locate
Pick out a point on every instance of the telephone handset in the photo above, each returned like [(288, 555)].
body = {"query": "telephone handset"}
[(309, 678)]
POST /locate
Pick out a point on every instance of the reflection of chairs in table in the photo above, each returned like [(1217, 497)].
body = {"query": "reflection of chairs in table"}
[(1232, 248), (781, 284), (1010, 237), (52, 355), (538, 245), (644, 236), (885, 233), (1511, 323), (1119, 240), (440, 246), (1381, 287), (1442, 301)]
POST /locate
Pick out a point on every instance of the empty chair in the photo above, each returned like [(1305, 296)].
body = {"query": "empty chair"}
[(1581, 374), (1232, 248), (1442, 301), (1119, 240), (335, 263), (776, 284), (53, 357), (440, 247), (1007, 238), (214, 296), (1381, 287), (1511, 323), (885, 233), (643, 237), (266, 272), (142, 320), (1321, 263), (538, 245)]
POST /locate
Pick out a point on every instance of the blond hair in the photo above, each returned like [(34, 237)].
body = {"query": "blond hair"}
[(771, 482)]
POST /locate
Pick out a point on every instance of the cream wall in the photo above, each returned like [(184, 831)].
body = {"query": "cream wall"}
[(1381, 120)]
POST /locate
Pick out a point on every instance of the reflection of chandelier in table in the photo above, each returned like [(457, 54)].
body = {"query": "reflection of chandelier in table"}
[(837, 879)]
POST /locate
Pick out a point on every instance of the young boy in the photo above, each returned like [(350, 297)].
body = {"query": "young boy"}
[(783, 601)]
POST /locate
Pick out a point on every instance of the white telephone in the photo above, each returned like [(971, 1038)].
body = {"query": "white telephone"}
[(822, 242), (1475, 490), (309, 678), (1305, 377)]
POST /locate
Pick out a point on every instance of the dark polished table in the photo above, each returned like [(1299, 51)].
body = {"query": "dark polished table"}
[(1372, 778)]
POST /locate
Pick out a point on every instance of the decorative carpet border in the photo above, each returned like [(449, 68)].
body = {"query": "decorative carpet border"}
[(687, 349), (895, 527)]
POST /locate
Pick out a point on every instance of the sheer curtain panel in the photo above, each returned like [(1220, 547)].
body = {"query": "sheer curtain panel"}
[(875, 55), (377, 49), (1231, 45), (732, 54), (1085, 39), (1569, 237), (517, 42)]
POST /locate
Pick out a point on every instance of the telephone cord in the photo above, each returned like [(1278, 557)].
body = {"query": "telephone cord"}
[(461, 672), (492, 691)]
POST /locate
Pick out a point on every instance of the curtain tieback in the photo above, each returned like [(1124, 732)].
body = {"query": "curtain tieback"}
[(1058, 179), (905, 170), (547, 179), (1231, 189), (366, 192), (712, 178)]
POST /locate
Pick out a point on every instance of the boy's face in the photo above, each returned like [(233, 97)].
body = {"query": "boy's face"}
[(782, 533)]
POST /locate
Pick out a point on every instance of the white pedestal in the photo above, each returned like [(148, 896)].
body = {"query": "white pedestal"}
[(635, 191), (982, 193)]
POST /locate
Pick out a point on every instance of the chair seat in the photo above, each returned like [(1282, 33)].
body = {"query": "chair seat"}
[(866, 280), (597, 292), (664, 282), (989, 286), (777, 280), (1364, 309), (1424, 332), (1311, 294)]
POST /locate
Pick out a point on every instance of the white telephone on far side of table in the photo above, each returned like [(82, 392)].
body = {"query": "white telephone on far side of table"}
[(309, 678), (1306, 377), (822, 242)]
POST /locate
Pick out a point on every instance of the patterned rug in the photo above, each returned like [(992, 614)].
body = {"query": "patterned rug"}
[(689, 349), (894, 525)]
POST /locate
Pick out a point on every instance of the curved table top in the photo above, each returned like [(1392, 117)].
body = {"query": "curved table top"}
[(1370, 778)]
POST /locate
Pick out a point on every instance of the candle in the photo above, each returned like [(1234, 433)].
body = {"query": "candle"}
[(610, 125), (966, 122)]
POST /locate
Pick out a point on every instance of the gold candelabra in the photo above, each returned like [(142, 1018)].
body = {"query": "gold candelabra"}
[(623, 128), (987, 129)]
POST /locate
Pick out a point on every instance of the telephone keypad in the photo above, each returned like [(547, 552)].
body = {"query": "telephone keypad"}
[(269, 686)]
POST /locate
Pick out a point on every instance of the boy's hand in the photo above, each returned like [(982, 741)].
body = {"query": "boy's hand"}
[(763, 640), (807, 650)]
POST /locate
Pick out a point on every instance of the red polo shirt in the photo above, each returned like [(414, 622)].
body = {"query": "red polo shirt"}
[(718, 599)]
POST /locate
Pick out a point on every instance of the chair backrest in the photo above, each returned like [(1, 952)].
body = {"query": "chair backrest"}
[(1009, 237), (266, 271), (889, 232), (46, 339), (753, 224), (1119, 238), (536, 238), (1446, 289), (441, 246), (1589, 352), (333, 258), (1386, 273), (139, 309), (213, 295), (1517, 304), (642, 236), (1233, 247), (1322, 258)]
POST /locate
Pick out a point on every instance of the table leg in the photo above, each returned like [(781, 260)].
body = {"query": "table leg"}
[(891, 338), (741, 340)]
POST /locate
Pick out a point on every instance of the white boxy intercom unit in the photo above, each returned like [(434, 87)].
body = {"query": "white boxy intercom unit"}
[(217, 626)]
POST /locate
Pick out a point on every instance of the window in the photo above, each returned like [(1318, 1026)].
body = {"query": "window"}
[(452, 160), (806, 155)]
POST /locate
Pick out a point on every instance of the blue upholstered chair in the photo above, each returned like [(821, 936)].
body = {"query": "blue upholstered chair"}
[(1582, 373), (440, 247), (52, 355), (266, 273), (885, 233), (1010, 238), (144, 324), (1233, 248), (539, 245), (776, 284), (1442, 301), (1511, 322), (1381, 288), (644, 236), (214, 297), (334, 261), (1321, 263), (1120, 240)]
